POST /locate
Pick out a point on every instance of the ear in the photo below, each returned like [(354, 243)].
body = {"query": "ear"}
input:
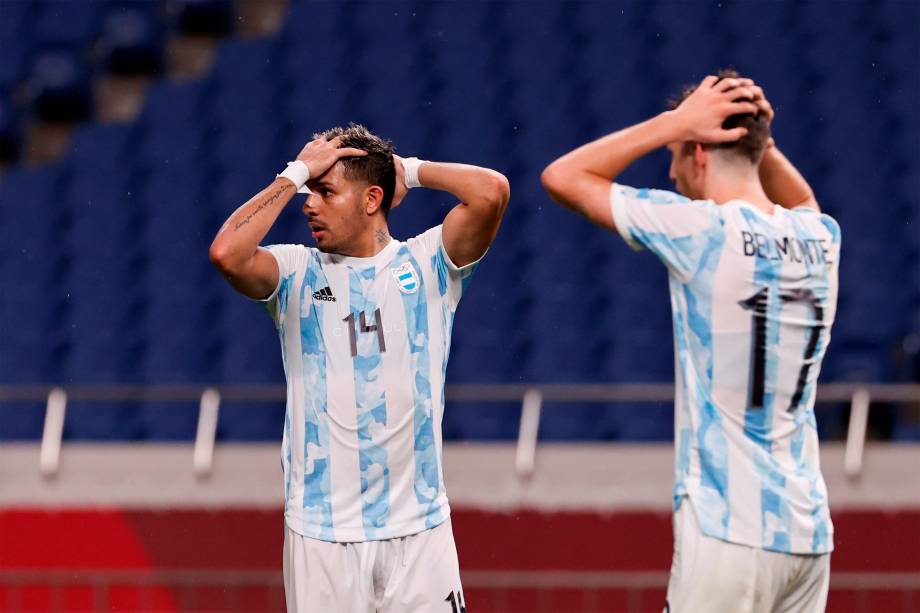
[(700, 155), (373, 199)]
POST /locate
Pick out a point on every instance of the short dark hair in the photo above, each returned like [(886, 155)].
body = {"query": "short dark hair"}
[(752, 144), (376, 168)]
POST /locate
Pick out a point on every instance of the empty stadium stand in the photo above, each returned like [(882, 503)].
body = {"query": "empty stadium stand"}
[(103, 253)]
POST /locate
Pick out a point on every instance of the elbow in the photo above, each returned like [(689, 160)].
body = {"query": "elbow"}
[(496, 192), (220, 257), (553, 178), (501, 191), (549, 176)]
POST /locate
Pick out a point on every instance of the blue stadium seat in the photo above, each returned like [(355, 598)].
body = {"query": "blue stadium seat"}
[(103, 147), (131, 39), (10, 132), (242, 62), (167, 421), (251, 150), (88, 421), (21, 421), (60, 85), (15, 18), (215, 17), (481, 422), (175, 105), (181, 148), (68, 23), (250, 422)]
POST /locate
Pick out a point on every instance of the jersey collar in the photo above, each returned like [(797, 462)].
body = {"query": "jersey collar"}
[(378, 261)]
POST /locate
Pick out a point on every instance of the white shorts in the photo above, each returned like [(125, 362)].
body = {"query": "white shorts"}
[(712, 575), (418, 573)]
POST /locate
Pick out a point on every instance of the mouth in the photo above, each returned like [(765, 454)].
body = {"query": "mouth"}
[(316, 229)]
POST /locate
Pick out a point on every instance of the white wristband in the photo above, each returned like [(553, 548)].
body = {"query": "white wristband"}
[(410, 171), (297, 173)]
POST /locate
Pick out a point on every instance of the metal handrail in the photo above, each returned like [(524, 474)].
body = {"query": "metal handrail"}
[(457, 392), (531, 397)]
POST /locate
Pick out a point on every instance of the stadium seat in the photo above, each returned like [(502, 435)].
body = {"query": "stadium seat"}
[(131, 39), (10, 132), (250, 422), (67, 23), (17, 49), (239, 62), (481, 422), (215, 17), (101, 422), (98, 147), (171, 105), (21, 421), (59, 84)]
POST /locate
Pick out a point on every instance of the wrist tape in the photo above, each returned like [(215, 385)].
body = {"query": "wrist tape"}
[(410, 168), (297, 173)]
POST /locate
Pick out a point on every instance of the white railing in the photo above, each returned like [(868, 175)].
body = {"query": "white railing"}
[(531, 397)]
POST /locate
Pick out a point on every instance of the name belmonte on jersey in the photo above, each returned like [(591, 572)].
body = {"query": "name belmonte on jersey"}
[(789, 248), (365, 343), (753, 299)]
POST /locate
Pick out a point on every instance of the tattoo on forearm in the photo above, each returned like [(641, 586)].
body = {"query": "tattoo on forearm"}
[(270, 201), (382, 237)]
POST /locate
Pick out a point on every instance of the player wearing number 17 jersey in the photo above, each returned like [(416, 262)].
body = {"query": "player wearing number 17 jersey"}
[(365, 324), (753, 293)]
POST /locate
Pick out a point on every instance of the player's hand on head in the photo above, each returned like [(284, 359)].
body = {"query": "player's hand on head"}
[(747, 90), (763, 105), (401, 188), (320, 154), (704, 111)]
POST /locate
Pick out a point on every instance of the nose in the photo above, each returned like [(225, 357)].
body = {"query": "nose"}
[(309, 204)]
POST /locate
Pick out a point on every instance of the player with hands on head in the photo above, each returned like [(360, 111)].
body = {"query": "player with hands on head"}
[(752, 266), (251, 269), (364, 322)]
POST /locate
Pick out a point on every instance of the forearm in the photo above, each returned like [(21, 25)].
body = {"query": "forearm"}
[(473, 186), (469, 227), (580, 180), (609, 156), (240, 236), (782, 182)]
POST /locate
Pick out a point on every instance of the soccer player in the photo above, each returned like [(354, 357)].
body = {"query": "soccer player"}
[(752, 267), (365, 323)]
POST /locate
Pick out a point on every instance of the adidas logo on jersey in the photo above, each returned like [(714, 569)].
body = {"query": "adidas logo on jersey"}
[(324, 294)]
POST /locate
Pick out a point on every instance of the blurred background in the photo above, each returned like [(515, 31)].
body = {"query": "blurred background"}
[(141, 400)]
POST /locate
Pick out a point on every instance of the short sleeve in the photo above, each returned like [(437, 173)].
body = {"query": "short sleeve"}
[(676, 229), (452, 279), (833, 228), (829, 225), (290, 259)]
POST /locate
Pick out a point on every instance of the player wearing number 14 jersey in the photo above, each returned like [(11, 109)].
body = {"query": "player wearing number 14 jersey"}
[(753, 293), (365, 323)]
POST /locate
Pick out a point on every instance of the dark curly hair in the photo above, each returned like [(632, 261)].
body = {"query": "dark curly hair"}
[(752, 144), (375, 168)]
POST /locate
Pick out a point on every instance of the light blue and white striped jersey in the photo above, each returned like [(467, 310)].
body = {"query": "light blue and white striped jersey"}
[(753, 297), (365, 343)]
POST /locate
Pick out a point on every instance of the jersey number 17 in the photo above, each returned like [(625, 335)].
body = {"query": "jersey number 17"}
[(759, 305)]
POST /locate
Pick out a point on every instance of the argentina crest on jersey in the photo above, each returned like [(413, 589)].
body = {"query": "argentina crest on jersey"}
[(406, 278)]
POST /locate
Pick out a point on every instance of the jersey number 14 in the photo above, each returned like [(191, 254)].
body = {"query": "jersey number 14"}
[(377, 327)]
